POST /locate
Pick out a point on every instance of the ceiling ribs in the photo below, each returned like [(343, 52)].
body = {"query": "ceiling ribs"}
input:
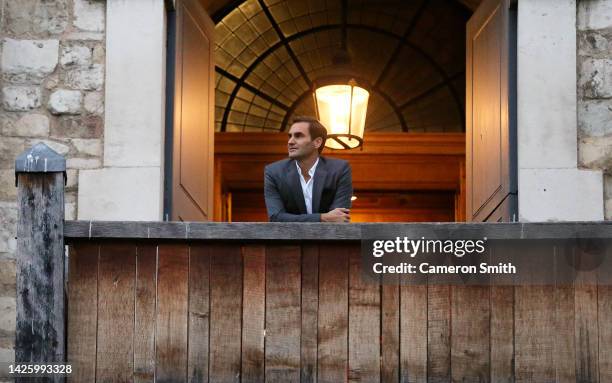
[(320, 28), (400, 44), (251, 88)]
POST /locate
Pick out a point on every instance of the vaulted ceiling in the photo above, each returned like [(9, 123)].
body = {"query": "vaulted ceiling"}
[(410, 55)]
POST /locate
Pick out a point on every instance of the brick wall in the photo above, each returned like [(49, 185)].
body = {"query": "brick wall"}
[(52, 56)]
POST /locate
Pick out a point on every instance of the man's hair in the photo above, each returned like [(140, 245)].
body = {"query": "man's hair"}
[(315, 128)]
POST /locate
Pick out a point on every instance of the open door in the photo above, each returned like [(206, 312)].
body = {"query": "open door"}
[(193, 114), (491, 113)]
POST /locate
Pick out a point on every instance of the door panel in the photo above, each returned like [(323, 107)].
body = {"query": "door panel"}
[(193, 141), (488, 105)]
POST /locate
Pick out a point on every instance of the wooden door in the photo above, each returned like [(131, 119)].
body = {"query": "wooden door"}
[(490, 111), (193, 132)]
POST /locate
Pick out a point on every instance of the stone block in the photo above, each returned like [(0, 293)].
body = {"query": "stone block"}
[(595, 78), (70, 211), (75, 55), (51, 82), (594, 118), (34, 57), (595, 153), (99, 54), (35, 16), (84, 36), (132, 194), (88, 147), (595, 43), (94, 103), (557, 195), (71, 179), (83, 163), (20, 98), (594, 14), (8, 225), (28, 125), (90, 78), (8, 191), (10, 148), (8, 354), (64, 101), (89, 15), (608, 196), (77, 127), (7, 277), (8, 310)]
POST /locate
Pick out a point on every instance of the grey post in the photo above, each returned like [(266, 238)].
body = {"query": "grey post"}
[(40, 332)]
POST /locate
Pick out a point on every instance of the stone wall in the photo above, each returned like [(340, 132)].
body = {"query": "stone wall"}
[(594, 40), (52, 57)]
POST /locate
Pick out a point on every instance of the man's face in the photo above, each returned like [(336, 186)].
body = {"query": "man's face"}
[(300, 145)]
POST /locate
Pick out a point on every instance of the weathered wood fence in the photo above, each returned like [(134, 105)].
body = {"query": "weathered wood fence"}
[(206, 302)]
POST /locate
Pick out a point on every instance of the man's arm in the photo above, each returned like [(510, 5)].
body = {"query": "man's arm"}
[(276, 208), (344, 192)]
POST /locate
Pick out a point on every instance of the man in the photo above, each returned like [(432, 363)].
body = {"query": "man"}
[(307, 187)]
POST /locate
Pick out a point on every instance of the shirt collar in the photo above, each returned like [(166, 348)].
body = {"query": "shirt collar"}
[(311, 171)]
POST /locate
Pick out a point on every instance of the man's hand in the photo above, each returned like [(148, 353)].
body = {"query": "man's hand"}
[(339, 214)]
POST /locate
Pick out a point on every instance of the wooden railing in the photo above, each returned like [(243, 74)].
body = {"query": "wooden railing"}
[(218, 302)]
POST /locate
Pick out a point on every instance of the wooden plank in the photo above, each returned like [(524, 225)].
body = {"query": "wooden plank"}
[(310, 310), (116, 293), (534, 332), (144, 313), (564, 334), (82, 310), (283, 319), (253, 312), (413, 333), (364, 324), (390, 331), (470, 347), (438, 333), (199, 313), (333, 313), (502, 334), (587, 337), (604, 298), (172, 306), (225, 312)]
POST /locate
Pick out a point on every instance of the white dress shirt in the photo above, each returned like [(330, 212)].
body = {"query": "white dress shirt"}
[(307, 186)]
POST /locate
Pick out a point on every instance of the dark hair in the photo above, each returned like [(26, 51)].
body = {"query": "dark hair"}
[(315, 128)]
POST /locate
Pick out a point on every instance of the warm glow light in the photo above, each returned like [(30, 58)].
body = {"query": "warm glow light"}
[(353, 198), (342, 110)]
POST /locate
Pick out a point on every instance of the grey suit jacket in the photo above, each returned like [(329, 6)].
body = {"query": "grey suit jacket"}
[(332, 188)]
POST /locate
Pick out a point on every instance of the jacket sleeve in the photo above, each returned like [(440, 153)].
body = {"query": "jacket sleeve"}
[(275, 206), (344, 191)]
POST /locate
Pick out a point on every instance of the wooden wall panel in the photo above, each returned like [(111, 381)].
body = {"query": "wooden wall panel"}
[(301, 312), (116, 294)]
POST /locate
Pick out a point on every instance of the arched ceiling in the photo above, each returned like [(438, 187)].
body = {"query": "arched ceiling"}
[(410, 55)]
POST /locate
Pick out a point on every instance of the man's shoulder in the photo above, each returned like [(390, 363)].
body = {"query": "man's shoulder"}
[(335, 163), (278, 165)]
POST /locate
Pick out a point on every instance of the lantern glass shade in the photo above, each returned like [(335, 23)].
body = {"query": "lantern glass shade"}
[(342, 110)]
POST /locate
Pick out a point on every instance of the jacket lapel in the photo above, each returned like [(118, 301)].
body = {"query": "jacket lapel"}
[(318, 183), (293, 179)]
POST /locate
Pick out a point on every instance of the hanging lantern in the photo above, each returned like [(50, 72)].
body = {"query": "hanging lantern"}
[(342, 110)]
